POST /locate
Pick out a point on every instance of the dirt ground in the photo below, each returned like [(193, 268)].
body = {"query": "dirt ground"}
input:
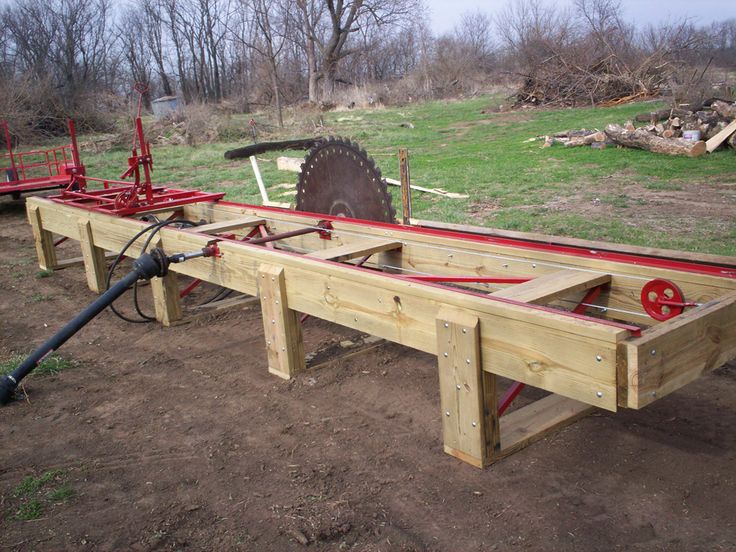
[(178, 439)]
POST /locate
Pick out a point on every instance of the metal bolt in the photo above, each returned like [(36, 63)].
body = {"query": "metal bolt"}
[(445, 354), (273, 321), (467, 361), (505, 265), (283, 348), (534, 265), (458, 387), (653, 352), (447, 413), (268, 343), (474, 424), (447, 325), (355, 318), (273, 278), (654, 393), (598, 358), (465, 331), (599, 394), (277, 301)]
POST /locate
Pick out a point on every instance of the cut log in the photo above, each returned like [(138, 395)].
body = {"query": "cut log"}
[(721, 137), (724, 109), (654, 116), (586, 140), (643, 140)]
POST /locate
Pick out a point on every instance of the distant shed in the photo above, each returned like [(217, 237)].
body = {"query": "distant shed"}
[(164, 106)]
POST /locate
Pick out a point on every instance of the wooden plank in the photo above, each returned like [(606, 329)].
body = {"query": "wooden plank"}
[(73, 261), (95, 266), (590, 245), (166, 301), (43, 238), (553, 286), (467, 393), (281, 324), (354, 250), (712, 144), (227, 225), (535, 421), (680, 350)]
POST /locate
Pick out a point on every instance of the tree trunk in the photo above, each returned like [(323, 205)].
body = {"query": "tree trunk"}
[(641, 139)]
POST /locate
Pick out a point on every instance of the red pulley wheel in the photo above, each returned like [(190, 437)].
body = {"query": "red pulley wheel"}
[(660, 297)]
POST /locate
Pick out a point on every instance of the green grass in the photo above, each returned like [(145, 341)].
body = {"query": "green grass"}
[(512, 183), (30, 485), (33, 495), (49, 366), (45, 273), (32, 509)]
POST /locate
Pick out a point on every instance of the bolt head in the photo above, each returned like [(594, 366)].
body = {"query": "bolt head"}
[(599, 394), (273, 321), (653, 352), (467, 361), (447, 413), (447, 325), (445, 355), (458, 387), (465, 331), (474, 424), (598, 358)]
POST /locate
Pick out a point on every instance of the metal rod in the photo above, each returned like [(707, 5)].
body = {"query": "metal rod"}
[(284, 236), (467, 279), (508, 397)]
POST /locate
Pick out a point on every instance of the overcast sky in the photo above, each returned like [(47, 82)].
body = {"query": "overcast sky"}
[(446, 14)]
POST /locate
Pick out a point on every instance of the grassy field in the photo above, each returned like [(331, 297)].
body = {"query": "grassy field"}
[(618, 195)]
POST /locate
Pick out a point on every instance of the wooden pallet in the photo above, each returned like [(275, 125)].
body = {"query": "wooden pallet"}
[(612, 356)]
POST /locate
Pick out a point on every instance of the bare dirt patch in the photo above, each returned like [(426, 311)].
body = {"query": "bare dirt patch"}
[(178, 439)]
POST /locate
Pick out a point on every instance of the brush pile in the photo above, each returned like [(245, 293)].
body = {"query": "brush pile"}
[(675, 131)]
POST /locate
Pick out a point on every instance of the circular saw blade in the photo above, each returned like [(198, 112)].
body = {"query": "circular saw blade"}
[(338, 178)]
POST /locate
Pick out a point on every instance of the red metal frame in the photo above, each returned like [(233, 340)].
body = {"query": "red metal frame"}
[(122, 198), (60, 166), (626, 258)]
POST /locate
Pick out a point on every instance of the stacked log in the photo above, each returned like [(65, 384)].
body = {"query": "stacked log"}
[(669, 131)]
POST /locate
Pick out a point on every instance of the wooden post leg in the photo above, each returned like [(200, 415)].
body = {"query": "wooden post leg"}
[(94, 258), (166, 299), (44, 240), (280, 324), (467, 394)]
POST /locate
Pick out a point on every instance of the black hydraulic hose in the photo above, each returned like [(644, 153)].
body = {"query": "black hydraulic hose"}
[(144, 268)]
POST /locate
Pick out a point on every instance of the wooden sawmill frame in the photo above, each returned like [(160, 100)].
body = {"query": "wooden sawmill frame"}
[(612, 356)]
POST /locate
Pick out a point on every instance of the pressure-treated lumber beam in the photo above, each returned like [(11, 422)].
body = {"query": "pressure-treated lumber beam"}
[(360, 248), (678, 351), (534, 421), (166, 299), (281, 326), (227, 225), (467, 392), (552, 286), (43, 238), (94, 257)]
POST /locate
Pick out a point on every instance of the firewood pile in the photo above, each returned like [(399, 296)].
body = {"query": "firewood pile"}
[(675, 131)]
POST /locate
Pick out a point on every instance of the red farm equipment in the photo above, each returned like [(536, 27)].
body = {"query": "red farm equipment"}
[(40, 169)]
